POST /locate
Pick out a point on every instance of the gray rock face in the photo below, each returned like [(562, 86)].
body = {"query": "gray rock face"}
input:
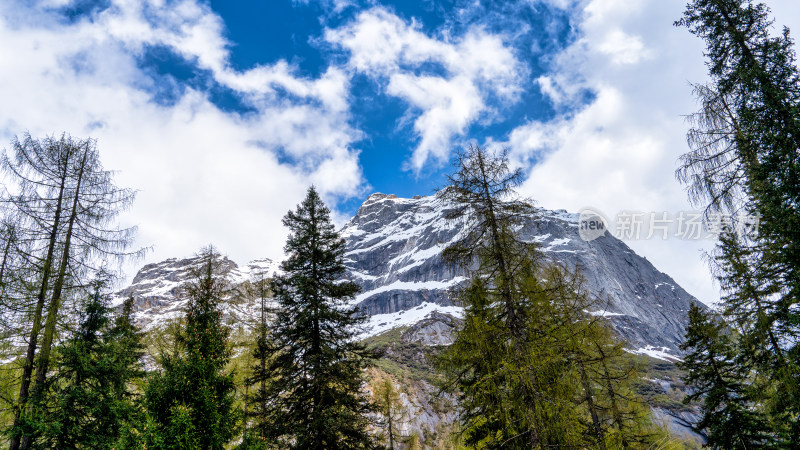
[(159, 289), (435, 329), (394, 250)]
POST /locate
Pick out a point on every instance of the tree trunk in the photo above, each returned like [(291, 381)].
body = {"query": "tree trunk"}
[(6, 251), (389, 417), (589, 396), (55, 302), (27, 370)]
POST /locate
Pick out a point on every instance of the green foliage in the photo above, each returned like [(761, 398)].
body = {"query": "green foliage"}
[(258, 402), (91, 399), (533, 369), (57, 233), (386, 398), (316, 400), (191, 399), (721, 380), (743, 159)]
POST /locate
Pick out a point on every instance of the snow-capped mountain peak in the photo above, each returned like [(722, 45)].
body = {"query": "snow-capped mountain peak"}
[(394, 250)]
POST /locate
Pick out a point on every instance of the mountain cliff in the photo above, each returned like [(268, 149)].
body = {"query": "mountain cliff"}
[(394, 250)]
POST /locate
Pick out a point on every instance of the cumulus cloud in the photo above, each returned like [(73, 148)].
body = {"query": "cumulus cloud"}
[(449, 81), (205, 175), (618, 152)]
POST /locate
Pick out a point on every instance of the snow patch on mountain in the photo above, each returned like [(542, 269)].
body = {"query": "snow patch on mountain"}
[(410, 285), (394, 250), (159, 290), (381, 323), (662, 353)]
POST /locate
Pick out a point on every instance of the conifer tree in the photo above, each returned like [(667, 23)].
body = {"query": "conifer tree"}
[(482, 192), (624, 418), (191, 399), (128, 345), (388, 404), (63, 203), (514, 380), (533, 369), (316, 400), (720, 380), (743, 161), (92, 400), (259, 424)]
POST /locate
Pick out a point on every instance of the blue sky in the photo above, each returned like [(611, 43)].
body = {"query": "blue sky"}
[(265, 33), (221, 113)]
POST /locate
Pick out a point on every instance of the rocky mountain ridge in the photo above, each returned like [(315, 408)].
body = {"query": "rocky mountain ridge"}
[(393, 250), (159, 290)]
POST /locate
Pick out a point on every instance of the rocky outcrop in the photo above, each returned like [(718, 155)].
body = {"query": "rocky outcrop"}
[(159, 289), (394, 250), (435, 329)]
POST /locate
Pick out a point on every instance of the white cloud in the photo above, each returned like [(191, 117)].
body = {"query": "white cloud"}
[(622, 48), (449, 81), (620, 151), (205, 175)]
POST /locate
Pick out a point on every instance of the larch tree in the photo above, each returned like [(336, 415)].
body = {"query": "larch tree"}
[(316, 401), (389, 405), (64, 204), (509, 384), (744, 160), (533, 369), (16, 276), (481, 191)]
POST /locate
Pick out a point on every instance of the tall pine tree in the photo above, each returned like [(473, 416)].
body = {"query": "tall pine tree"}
[(192, 399), (744, 160), (92, 399), (316, 400)]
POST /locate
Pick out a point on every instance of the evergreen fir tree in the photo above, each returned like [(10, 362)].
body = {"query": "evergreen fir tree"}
[(316, 400), (259, 422), (720, 380), (92, 399), (128, 346), (191, 399), (744, 161)]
